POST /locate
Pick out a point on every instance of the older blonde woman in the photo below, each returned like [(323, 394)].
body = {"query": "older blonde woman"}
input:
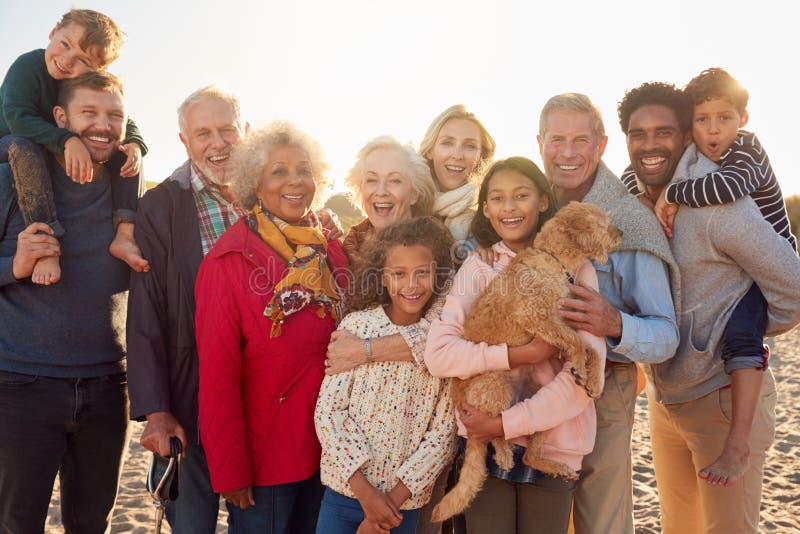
[(391, 183), (267, 302), (457, 148)]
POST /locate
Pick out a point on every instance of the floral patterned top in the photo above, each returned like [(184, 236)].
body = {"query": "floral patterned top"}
[(392, 420)]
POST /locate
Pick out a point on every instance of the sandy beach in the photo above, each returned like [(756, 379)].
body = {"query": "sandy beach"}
[(780, 507)]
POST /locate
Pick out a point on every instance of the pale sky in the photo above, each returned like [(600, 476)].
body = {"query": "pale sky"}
[(346, 71)]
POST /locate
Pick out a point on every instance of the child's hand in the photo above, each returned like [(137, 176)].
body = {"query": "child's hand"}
[(480, 425), (665, 213), (78, 161), (133, 164), (371, 527), (399, 493), (377, 506)]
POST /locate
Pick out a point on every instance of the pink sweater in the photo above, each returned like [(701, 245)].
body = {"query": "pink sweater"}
[(560, 405)]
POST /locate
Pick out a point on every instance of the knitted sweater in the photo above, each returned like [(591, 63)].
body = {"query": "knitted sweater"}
[(718, 266), (391, 420), (75, 328), (27, 98)]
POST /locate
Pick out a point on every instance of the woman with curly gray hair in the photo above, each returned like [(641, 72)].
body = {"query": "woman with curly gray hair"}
[(267, 303)]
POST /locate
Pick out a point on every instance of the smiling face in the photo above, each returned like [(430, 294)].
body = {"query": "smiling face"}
[(386, 187), (715, 124), (210, 129), (287, 184), (409, 274), (571, 151), (64, 57), (655, 143), (98, 117), (455, 153), (512, 206)]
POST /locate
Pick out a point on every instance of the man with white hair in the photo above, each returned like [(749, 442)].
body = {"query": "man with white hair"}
[(177, 224)]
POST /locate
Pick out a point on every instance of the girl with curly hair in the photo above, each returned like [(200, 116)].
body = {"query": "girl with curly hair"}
[(387, 429)]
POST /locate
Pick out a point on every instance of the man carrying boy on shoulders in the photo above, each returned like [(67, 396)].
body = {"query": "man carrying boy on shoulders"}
[(63, 401)]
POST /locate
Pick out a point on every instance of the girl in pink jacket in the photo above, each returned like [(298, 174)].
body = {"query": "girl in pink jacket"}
[(514, 201)]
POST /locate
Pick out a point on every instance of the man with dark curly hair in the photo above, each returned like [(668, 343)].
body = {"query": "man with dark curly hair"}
[(691, 406)]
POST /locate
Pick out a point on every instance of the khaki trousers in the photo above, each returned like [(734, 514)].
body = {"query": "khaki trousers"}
[(604, 497), (687, 437)]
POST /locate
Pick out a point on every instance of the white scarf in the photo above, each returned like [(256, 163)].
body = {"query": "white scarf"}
[(457, 207)]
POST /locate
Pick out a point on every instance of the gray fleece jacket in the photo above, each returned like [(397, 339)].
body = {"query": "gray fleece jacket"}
[(720, 251)]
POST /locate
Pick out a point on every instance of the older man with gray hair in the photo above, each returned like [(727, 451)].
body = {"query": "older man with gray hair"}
[(177, 224)]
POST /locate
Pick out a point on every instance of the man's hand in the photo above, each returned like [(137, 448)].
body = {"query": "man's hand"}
[(330, 221), (345, 351), (31, 246), (665, 213), (480, 425), (159, 428), (590, 311), (133, 164), (242, 498), (77, 161)]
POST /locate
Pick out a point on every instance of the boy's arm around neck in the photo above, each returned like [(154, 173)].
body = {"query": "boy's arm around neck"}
[(744, 169), (22, 95)]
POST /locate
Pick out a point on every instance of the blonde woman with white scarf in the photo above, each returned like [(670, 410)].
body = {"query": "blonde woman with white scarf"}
[(458, 148)]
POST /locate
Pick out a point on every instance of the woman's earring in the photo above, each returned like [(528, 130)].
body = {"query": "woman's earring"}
[(260, 205)]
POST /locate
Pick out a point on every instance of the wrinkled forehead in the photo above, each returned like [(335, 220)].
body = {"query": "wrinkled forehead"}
[(210, 112)]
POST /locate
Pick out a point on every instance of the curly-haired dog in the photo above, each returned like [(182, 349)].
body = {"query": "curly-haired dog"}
[(520, 304)]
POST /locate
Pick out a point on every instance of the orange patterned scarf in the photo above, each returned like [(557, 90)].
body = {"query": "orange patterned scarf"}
[(309, 280)]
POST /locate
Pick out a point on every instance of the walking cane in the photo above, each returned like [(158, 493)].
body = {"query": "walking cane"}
[(162, 479)]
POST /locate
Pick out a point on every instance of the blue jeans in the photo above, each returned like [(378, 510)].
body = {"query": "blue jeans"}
[(282, 509), (342, 515), (744, 334), (74, 427), (197, 506)]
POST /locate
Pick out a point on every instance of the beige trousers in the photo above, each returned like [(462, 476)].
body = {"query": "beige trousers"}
[(604, 497), (688, 436)]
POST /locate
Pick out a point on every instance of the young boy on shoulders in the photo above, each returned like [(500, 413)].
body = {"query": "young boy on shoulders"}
[(82, 41), (720, 111)]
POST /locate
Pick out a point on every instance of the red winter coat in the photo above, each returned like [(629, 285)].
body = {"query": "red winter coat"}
[(257, 395)]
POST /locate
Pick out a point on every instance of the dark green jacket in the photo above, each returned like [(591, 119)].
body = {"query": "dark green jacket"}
[(27, 98)]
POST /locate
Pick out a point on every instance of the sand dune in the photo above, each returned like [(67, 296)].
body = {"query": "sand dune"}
[(780, 508)]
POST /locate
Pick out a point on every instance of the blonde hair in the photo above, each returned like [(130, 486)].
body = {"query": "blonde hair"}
[(458, 111), (572, 102), (419, 174), (249, 157), (101, 35), (210, 91)]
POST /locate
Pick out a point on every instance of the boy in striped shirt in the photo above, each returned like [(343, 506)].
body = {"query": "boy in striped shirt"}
[(720, 111)]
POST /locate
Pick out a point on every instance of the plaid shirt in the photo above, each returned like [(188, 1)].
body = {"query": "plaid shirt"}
[(214, 213)]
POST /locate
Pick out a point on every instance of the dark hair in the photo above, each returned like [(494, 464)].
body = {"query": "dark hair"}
[(664, 94), (97, 81), (717, 83), (481, 227), (367, 289)]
